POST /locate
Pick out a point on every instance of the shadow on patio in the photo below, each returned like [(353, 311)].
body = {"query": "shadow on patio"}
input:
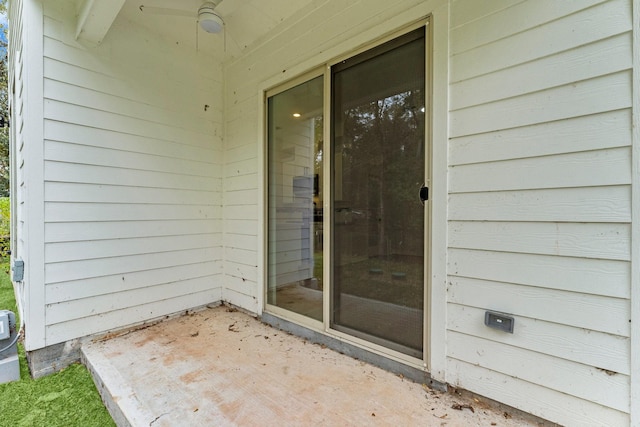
[(222, 367)]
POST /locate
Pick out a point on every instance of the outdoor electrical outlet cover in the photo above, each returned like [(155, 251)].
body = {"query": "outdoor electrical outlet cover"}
[(499, 321), (18, 270)]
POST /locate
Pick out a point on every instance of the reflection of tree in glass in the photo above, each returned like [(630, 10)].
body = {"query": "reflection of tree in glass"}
[(319, 140), (383, 168)]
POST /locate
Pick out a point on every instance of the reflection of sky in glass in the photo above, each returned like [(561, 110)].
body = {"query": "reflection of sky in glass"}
[(3, 36)]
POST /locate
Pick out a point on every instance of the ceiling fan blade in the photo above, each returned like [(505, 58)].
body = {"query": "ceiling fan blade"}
[(151, 10)]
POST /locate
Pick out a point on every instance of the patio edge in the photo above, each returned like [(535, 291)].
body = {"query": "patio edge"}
[(119, 399)]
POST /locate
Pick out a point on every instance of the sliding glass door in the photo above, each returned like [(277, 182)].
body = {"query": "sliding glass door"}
[(374, 286), (378, 158), (295, 139)]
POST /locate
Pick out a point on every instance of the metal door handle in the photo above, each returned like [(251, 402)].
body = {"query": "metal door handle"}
[(424, 194)]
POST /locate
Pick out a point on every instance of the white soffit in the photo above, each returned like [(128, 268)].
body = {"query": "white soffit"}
[(95, 18)]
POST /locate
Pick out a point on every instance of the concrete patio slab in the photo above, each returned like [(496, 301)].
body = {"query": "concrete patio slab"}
[(221, 367)]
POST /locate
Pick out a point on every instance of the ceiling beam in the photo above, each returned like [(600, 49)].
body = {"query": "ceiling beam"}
[(95, 19)]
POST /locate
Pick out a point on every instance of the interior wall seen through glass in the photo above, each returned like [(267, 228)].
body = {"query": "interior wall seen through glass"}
[(295, 199)]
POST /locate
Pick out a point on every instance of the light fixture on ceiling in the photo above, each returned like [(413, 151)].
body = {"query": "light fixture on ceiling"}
[(208, 19), (206, 16)]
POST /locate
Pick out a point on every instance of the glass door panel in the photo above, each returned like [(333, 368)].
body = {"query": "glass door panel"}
[(295, 138), (378, 167)]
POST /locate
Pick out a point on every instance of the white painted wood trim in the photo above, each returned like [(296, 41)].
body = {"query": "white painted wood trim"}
[(326, 201), (439, 23), (428, 206), (95, 19), (85, 9), (33, 22), (263, 239), (635, 225), (16, 38)]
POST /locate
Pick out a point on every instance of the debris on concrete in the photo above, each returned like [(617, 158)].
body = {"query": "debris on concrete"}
[(169, 375)]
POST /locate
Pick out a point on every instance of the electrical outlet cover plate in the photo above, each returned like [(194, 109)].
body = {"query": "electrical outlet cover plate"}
[(499, 321), (18, 270)]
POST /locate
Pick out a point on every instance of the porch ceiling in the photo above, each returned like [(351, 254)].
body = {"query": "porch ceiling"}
[(222, 367), (246, 22)]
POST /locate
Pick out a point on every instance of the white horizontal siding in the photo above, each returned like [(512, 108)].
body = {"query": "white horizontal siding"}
[(72, 192), (597, 59), (119, 317), (242, 271), (589, 168), (465, 12), (559, 306), (132, 168), (97, 305), (89, 231), (585, 240), (116, 140), (585, 133), (88, 268), (123, 282), (580, 345), (590, 383), (99, 156), (540, 206), (603, 93), (70, 251), (544, 402), (61, 111), (575, 274), (581, 204), (563, 33), (102, 212), (513, 17), (56, 171)]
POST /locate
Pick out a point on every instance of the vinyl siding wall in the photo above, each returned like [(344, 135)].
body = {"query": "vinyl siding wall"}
[(132, 177), (540, 205)]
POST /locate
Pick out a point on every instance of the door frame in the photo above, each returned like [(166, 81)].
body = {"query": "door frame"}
[(435, 251)]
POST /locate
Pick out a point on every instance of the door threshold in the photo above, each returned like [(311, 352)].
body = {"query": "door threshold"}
[(414, 374)]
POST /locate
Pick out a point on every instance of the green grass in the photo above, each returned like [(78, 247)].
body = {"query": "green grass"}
[(66, 399)]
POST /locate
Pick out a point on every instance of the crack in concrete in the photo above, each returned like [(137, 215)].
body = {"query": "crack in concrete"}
[(157, 418)]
